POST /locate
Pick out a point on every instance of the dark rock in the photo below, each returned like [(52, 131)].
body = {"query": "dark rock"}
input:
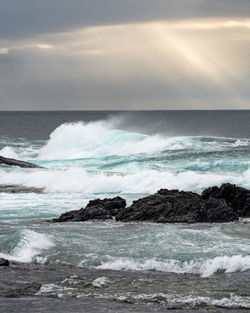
[(173, 206), (215, 205), (95, 210), (237, 198), (13, 162), (19, 189), (4, 262)]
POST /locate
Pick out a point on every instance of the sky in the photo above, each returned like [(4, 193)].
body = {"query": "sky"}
[(124, 54)]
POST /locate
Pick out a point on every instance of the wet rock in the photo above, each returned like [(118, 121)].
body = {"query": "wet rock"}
[(14, 162), (18, 289), (173, 206), (4, 262), (216, 205), (237, 198), (95, 210), (19, 189)]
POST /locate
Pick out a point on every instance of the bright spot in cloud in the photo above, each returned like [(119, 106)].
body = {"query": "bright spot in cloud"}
[(206, 24), (4, 50), (44, 46)]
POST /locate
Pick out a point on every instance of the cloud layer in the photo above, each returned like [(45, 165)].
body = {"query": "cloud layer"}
[(141, 54)]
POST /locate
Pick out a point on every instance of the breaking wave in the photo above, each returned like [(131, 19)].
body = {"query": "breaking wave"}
[(8, 152), (99, 158), (98, 139), (203, 267), (143, 181), (29, 247)]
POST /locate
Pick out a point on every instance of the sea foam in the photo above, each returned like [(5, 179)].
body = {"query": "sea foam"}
[(138, 181), (203, 267), (103, 138), (97, 157), (96, 139), (8, 152), (30, 246)]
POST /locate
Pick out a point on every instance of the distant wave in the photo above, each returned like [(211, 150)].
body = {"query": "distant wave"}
[(96, 157), (98, 139)]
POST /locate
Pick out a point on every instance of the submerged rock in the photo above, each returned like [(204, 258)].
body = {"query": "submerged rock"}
[(216, 205), (95, 210), (14, 162)]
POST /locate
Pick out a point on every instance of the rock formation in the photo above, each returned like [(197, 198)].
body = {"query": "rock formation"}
[(14, 162), (95, 210), (216, 205)]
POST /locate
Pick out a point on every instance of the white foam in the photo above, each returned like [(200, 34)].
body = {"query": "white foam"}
[(96, 139), (192, 301), (9, 152), (203, 267), (142, 181), (226, 264), (100, 282), (241, 143), (30, 246), (54, 290)]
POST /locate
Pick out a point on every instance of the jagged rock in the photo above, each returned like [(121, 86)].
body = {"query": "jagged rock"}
[(215, 205), (95, 210), (13, 162), (4, 262), (237, 198), (173, 206)]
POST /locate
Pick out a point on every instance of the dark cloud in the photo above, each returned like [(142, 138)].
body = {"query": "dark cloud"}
[(26, 18)]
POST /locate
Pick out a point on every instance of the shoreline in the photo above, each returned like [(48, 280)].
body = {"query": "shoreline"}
[(64, 288), (90, 305)]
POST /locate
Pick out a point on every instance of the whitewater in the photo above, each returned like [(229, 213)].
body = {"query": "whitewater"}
[(85, 160)]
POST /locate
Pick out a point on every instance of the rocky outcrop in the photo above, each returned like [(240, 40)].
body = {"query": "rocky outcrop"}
[(14, 162), (216, 205), (4, 262), (237, 198), (95, 210), (173, 206)]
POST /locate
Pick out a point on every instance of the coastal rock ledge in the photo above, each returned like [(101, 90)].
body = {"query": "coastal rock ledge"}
[(215, 205)]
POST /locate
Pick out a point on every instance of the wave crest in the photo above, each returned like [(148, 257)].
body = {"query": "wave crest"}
[(98, 139), (203, 267), (31, 245)]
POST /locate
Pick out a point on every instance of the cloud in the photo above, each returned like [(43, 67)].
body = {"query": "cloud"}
[(4, 50), (29, 18), (116, 54), (155, 65)]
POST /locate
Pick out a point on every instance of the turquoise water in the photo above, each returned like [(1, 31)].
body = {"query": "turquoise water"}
[(84, 161)]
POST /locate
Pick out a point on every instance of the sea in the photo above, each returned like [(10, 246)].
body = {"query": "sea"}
[(98, 154)]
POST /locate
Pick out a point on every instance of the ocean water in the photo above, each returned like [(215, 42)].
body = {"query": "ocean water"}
[(88, 155)]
